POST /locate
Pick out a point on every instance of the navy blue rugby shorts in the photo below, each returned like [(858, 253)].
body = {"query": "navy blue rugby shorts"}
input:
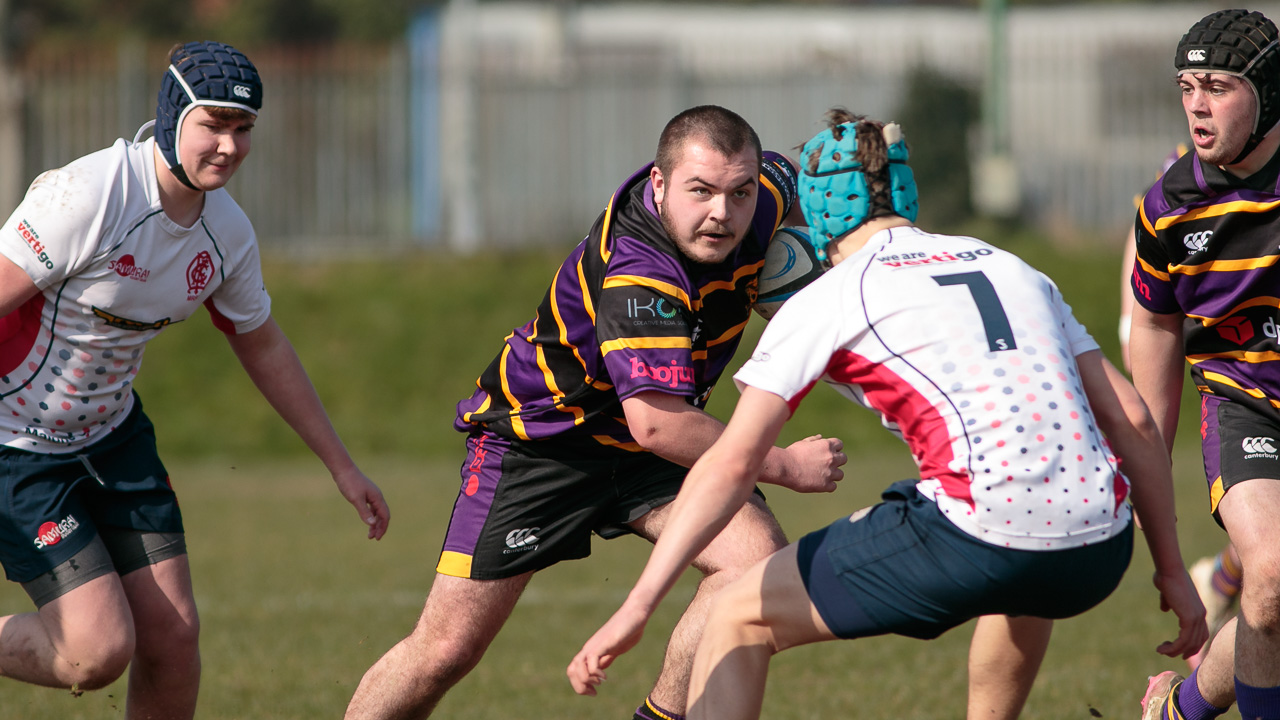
[(905, 569), (51, 506)]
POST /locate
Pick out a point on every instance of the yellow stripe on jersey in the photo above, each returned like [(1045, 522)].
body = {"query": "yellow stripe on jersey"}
[(777, 199), (1252, 302), (1252, 358), (1224, 380), (738, 274), (616, 281), (1216, 492), (605, 252), (1242, 206), (556, 394), (606, 440), (1225, 265), (484, 406), (517, 425), (645, 343), (455, 564), (586, 293), (1151, 270), (729, 334)]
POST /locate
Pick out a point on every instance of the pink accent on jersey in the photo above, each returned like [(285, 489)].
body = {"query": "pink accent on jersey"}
[(18, 332), (923, 429)]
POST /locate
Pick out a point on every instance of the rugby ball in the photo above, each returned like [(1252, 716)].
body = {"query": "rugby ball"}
[(789, 265)]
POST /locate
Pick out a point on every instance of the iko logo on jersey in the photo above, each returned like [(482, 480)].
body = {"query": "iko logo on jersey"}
[(32, 239), (522, 540), (52, 533), (1196, 241), (1259, 447), (653, 308)]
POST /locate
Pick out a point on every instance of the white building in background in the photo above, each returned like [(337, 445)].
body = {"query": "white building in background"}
[(504, 124)]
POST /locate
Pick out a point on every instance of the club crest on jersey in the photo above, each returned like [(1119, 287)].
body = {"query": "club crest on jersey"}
[(199, 273)]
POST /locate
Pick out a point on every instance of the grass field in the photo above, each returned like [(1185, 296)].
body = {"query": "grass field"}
[(295, 604)]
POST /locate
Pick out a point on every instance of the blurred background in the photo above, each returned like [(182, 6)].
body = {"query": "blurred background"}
[(469, 124), (418, 172)]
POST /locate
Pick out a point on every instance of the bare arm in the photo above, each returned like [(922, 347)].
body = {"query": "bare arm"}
[(269, 359), (715, 489), (1126, 296), (1155, 354), (16, 287), (671, 428), (1144, 459)]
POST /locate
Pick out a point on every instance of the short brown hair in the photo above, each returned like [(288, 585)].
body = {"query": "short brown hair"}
[(724, 130)]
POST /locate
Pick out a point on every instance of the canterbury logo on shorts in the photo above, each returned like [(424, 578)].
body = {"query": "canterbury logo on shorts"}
[(520, 540), (1253, 447)]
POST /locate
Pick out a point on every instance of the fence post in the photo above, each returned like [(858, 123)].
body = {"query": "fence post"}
[(458, 135), (11, 100)]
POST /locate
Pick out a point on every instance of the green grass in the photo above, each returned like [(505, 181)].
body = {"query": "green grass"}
[(295, 604)]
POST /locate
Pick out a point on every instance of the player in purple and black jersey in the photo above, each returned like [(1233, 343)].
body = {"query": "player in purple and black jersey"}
[(1207, 288), (591, 414)]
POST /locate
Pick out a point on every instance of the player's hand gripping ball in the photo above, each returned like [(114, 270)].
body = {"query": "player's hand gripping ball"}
[(789, 265)]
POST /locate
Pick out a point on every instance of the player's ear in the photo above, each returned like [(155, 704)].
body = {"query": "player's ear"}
[(659, 184)]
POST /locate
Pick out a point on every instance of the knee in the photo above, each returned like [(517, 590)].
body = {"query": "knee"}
[(444, 655), (734, 617), (172, 641), (95, 665), (1260, 594)]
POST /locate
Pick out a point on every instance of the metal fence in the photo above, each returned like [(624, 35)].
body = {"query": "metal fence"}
[(506, 124)]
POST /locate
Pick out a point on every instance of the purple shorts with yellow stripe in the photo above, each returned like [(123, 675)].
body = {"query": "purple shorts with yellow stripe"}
[(524, 506), (1239, 443)]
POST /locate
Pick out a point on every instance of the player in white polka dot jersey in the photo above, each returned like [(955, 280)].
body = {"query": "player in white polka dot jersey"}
[(99, 257), (974, 359), (968, 354)]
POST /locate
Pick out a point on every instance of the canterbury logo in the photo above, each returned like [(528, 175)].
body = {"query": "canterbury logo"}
[(1195, 56), (240, 91), (1197, 240), (522, 538), (1250, 445)]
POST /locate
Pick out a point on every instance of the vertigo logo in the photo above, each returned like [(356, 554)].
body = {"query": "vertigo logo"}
[(522, 540), (1258, 447), (51, 533), (1197, 240)]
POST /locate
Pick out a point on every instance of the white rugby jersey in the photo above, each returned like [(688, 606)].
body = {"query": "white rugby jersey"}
[(969, 355), (113, 271)]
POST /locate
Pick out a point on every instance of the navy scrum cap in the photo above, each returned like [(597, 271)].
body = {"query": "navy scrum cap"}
[(1240, 43), (209, 74)]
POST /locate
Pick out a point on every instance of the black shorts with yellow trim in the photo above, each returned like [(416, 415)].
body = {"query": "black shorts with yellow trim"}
[(526, 505), (1239, 443)]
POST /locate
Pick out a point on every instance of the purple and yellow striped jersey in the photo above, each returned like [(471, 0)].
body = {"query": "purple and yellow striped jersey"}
[(1208, 247), (626, 312)]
